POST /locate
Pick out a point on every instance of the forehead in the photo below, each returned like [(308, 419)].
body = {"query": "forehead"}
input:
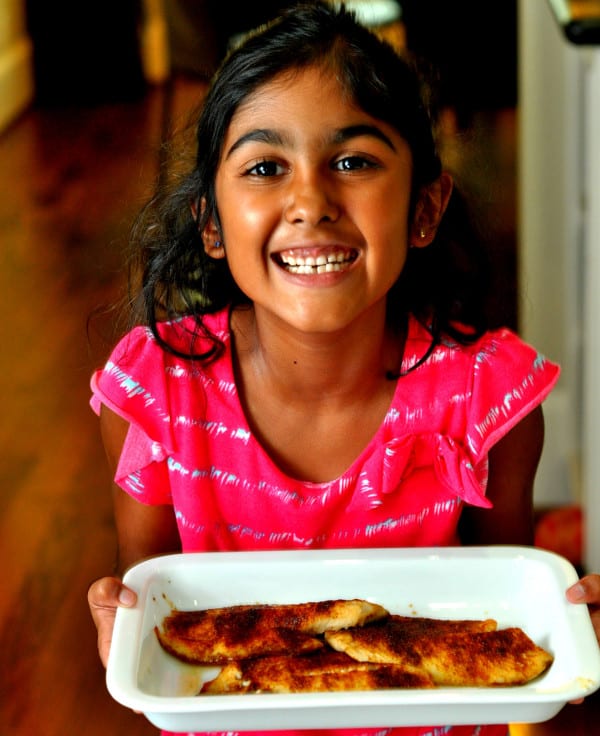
[(293, 89), (307, 107)]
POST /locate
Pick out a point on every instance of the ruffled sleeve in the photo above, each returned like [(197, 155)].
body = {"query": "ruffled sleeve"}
[(392, 464), (133, 384), (509, 379), (447, 416)]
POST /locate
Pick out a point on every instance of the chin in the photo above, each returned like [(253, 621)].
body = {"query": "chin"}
[(321, 323)]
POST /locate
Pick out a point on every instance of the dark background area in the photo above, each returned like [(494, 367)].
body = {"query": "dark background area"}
[(88, 52)]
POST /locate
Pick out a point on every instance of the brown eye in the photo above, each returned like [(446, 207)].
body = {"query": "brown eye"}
[(353, 163), (265, 168)]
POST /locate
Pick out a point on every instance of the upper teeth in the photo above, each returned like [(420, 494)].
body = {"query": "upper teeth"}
[(318, 264)]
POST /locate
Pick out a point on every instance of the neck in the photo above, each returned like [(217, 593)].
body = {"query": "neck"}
[(317, 366)]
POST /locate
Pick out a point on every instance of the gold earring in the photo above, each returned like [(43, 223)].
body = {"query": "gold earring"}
[(422, 233)]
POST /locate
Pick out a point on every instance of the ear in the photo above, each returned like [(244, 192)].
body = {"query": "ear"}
[(429, 210), (211, 237), (213, 240)]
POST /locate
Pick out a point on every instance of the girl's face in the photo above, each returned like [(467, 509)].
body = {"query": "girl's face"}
[(313, 197)]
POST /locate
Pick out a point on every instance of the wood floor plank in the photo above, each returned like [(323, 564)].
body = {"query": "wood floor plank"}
[(69, 186)]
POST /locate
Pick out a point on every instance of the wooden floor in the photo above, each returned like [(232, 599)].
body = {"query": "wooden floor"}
[(70, 181)]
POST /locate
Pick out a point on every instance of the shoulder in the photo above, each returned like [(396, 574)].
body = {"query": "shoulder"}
[(506, 359), (481, 389), (141, 370), (509, 380), (500, 349), (185, 336)]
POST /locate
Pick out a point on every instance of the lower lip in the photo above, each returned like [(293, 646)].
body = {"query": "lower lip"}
[(327, 278)]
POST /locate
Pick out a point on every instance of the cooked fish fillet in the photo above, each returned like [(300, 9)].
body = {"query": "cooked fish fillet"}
[(218, 635), (385, 640), (471, 658), (412, 625), (323, 671), (245, 644), (504, 657)]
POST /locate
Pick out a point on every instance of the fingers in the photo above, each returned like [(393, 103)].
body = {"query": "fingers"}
[(587, 590), (104, 597)]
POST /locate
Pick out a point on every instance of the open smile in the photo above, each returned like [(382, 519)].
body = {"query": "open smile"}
[(298, 262)]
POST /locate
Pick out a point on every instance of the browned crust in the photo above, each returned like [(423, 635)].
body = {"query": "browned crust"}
[(476, 658), (221, 651), (219, 635), (388, 640), (324, 671)]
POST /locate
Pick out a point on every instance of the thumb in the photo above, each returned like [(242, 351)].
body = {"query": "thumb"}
[(104, 597)]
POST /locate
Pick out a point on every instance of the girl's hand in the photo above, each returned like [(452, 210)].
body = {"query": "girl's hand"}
[(104, 597), (587, 590)]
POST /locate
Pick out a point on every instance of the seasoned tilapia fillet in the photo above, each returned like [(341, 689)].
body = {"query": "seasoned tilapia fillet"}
[(323, 671), (469, 658), (439, 626), (218, 635), (385, 640)]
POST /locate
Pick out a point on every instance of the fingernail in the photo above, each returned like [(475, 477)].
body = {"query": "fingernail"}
[(578, 591), (126, 597)]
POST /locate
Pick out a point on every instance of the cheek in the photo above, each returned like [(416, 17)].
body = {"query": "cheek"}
[(389, 208), (394, 230), (243, 215), (395, 265), (392, 252)]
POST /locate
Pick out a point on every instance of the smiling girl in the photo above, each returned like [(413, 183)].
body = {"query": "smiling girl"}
[(311, 366)]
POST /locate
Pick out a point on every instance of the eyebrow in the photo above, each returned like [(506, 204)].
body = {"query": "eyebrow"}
[(273, 137), (356, 131), (262, 135)]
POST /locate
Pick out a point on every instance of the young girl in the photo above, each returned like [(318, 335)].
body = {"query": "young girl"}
[(311, 367)]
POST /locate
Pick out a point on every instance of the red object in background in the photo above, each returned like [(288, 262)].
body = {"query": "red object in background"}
[(561, 531)]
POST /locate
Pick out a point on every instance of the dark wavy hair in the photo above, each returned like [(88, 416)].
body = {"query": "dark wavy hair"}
[(442, 284)]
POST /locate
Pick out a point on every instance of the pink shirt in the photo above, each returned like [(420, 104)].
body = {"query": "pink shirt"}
[(189, 445)]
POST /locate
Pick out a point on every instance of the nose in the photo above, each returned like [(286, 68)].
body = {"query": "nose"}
[(310, 200)]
